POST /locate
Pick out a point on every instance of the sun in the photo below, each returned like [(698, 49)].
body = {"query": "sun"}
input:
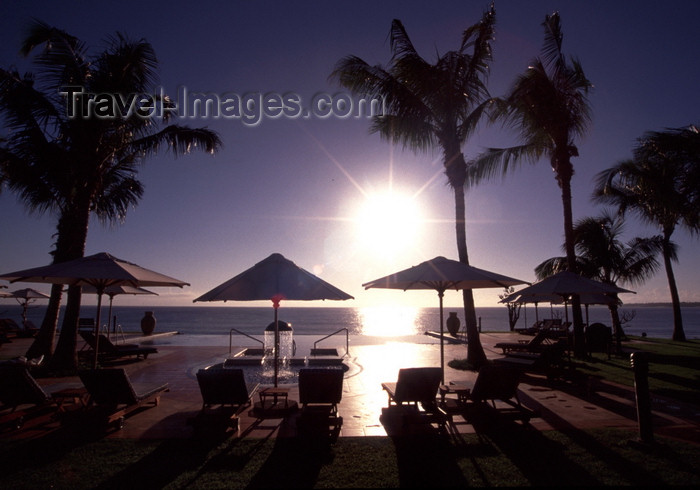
[(388, 224)]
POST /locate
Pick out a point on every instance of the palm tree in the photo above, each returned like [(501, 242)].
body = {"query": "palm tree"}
[(430, 106), (601, 255), (660, 185), (63, 159), (549, 108)]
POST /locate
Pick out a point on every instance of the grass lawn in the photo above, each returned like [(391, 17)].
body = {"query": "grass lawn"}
[(504, 456), (674, 367)]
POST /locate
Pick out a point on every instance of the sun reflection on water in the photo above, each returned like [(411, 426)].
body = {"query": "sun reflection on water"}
[(389, 321)]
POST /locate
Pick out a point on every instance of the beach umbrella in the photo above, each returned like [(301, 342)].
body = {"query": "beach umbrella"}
[(441, 274), (275, 278), (586, 299), (562, 285), (24, 297), (100, 271), (112, 291)]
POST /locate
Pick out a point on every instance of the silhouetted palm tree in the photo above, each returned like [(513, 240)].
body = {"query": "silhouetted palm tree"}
[(431, 106), (548, 106), (661, 186), (68, 155), (601, 255)]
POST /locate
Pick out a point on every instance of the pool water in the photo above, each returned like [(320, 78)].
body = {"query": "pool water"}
[(264, 374)]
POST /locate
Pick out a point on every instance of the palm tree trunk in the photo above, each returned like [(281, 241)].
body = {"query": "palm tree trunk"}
[(45, 339), (617, 326), (678, 332), (44, 342), (476, 356), (66, 356), (73, 230), (579, 338)]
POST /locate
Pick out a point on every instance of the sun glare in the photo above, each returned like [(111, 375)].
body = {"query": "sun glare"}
[(389, 321), (388, 224)]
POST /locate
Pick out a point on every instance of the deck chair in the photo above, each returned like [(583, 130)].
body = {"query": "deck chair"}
[(10, 328), (86, 324), (531, 330), (551, 359), (20, 395), (108, 350), (320, 391), (30, 329), (225, 387), (497, 382), (417, 387), (23, 398), (533, 345), (112, 396)]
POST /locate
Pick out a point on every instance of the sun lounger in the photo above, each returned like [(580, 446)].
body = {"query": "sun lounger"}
[(224, 387), (551, 359), (532, 345), (23, 398), (9, 328), (20, 395), (86, 324), (109, 351), (531, 330), (496, 383), (112, 396), (320, 391), (417, 388), (30, 330)]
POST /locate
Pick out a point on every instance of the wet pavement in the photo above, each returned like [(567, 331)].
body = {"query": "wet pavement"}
[(573, 401)]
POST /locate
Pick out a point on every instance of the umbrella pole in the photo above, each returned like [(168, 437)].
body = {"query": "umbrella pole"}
[(109, 317), (25, 305), (442, 340), (97, 328), (276, 305)]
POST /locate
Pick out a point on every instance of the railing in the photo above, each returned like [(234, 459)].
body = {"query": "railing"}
[(230, 339), (347, 339)]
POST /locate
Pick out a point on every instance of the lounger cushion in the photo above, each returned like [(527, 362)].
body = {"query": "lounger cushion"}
[(320, 385), (221, 386), (18, 387)]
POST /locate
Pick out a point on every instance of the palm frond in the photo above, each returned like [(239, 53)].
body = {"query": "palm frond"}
[(500, 161), (553, 39), (179, 140), (401, 45), (479, 38), (63, 57)]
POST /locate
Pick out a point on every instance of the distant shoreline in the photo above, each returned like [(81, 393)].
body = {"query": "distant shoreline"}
[(662, 305)]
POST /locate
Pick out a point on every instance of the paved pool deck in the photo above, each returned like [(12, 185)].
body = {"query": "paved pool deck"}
[(570, 403)]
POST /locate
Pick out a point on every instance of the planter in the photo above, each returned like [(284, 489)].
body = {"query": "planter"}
[(148, 323), (452, 323)]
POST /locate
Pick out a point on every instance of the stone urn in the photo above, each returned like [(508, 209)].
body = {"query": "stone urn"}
[(452, 323), (148, 323)]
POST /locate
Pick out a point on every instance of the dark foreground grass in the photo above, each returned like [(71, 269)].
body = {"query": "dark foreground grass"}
[(674, 367), (512, 455)]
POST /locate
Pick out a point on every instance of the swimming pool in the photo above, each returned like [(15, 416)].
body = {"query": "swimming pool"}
[(263, 373)]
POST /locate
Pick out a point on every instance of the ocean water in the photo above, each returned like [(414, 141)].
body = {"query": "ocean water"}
[(376, 322)]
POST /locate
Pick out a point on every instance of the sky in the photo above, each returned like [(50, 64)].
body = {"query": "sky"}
[(301, 186)]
